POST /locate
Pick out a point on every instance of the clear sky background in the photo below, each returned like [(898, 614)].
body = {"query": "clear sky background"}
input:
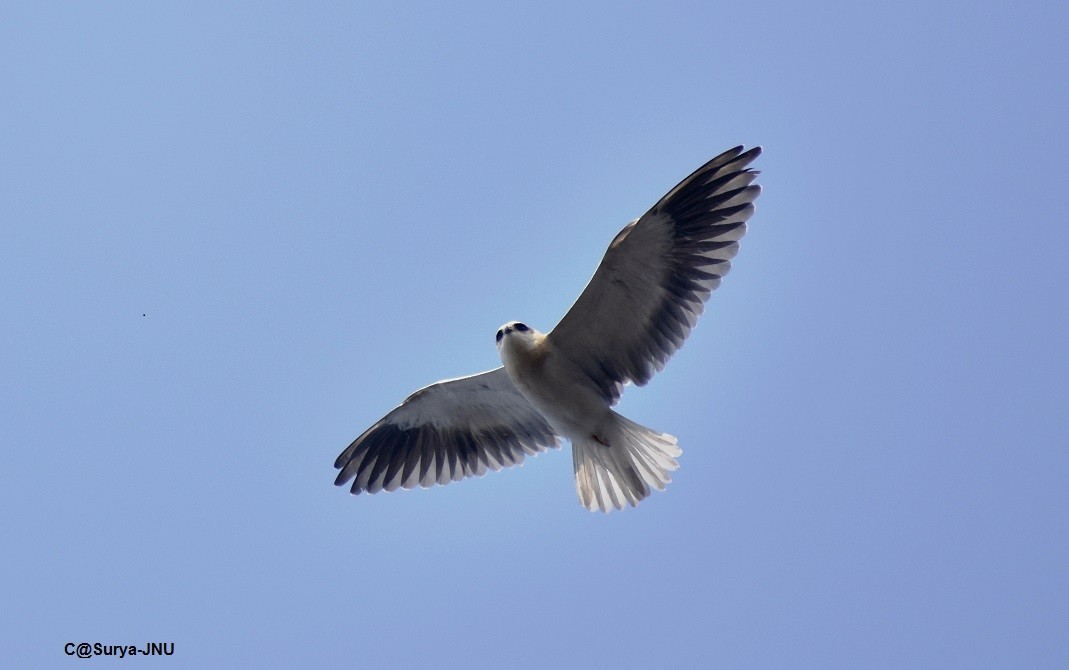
[(236, 234)]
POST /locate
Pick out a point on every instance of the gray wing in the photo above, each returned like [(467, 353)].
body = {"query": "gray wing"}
[(653, 282), (444, 432)]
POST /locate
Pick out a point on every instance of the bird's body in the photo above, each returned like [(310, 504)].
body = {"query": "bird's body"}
[(556, 387), (615, 460), (638, 309)]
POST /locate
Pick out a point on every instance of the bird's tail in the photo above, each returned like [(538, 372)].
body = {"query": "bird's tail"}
[(621, 463)]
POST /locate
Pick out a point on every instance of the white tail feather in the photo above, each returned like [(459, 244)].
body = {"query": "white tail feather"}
[(621, 471)]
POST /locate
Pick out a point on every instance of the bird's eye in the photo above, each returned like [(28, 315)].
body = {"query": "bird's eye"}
[(522, 328), (500, 333)]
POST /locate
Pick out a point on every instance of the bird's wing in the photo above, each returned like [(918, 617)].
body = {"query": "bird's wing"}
[(652, 284), (444, 432)]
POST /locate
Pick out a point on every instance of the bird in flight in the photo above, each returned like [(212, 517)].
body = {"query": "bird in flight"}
[(637, 310)]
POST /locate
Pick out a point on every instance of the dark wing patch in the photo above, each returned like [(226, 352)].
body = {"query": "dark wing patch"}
[(445, 432), (653, 281)]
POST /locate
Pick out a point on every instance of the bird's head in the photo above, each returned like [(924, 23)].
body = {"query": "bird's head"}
[(516, 333)]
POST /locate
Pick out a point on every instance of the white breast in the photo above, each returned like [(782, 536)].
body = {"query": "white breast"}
[(558, 388)]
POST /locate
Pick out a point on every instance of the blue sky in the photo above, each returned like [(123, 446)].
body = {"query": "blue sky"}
[(236, 234)]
